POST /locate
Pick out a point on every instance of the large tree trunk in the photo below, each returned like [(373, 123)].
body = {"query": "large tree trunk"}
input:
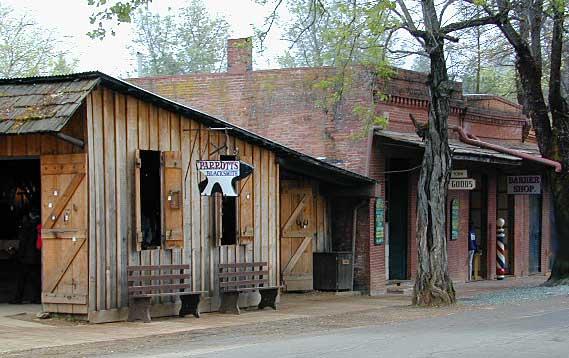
[(552, 133), (433, 286)]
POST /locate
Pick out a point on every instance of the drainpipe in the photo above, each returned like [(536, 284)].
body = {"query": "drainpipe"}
[(471, 139), (354, 233)]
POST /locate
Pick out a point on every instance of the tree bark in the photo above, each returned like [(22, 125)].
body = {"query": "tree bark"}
[(552, 133), (433, 286)]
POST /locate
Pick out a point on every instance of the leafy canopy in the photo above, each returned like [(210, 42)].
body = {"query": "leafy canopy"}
[(26, 49)]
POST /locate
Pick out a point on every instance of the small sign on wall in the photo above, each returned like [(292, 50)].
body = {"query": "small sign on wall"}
[(459, 174), (379, 237), (462, 184), (454, 219), (524, 184)]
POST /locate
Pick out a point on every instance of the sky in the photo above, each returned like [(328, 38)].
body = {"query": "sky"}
[(69, 20)]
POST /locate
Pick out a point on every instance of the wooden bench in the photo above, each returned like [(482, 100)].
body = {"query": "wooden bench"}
[(237, 278), (169, 281)]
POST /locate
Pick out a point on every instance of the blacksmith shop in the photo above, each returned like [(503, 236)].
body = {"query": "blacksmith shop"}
[(117, 203)]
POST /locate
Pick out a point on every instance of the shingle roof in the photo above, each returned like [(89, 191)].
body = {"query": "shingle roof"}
[(40, 107)]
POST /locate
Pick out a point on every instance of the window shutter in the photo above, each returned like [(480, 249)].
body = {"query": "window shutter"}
[(173, 200), (137, 202)]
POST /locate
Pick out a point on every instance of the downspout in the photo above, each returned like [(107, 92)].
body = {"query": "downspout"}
[(354, 233), (471, 139)]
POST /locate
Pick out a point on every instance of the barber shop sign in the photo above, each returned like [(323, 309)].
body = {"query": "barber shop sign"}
[(524, 184)]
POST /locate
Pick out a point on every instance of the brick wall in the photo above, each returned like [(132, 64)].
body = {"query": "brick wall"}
[(491, 227)]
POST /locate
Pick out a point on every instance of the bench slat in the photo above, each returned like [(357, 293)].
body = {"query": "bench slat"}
[(138, 278), (242, 264), (157, 267), (168, 294), (151, 288), (243, 273), (242, 283)]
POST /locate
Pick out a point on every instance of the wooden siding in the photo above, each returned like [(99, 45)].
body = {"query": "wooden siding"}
[(118, 125)]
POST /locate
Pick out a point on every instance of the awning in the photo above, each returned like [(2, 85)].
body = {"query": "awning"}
[(460, 151), (42, 107)]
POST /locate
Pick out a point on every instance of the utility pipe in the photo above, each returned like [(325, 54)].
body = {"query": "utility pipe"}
[(471, 139)]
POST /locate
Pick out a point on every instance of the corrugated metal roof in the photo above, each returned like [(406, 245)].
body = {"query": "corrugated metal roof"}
[(40, 107), (458, 148)]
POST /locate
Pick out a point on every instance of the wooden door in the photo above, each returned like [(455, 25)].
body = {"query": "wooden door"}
[(297, 232), (64, 232), (535, 233)]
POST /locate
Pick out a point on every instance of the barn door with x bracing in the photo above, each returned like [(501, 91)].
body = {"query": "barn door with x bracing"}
[(64, 233), (297, 231)]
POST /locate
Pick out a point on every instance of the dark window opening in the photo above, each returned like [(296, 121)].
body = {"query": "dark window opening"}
[(150, 199), (228, 220)]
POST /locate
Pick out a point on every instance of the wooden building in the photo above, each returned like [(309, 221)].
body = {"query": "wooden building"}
[(118, 186)]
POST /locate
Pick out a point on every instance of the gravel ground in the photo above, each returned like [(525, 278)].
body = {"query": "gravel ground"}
[(517, 295)]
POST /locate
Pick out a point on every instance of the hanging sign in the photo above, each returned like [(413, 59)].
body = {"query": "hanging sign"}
[(524, 184), (459, 174), (462, 184), (379, 237), (221, 176)]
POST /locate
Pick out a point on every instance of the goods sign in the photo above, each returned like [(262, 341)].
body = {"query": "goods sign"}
[(459, 174), (462, 184), (524, 184)]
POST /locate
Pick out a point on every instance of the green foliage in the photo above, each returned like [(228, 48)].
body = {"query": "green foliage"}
[(26, 49), (350, 38), (185, 41), (493, 80), (106, 11)]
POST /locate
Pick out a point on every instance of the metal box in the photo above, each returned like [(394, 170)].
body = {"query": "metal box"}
[(333, 271)]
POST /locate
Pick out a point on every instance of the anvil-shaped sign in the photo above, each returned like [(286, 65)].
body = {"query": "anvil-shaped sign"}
[(221, 175)]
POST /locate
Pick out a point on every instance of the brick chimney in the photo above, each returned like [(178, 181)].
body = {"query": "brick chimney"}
[(239, 55)]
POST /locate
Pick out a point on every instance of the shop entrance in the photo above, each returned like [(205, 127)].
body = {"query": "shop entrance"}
[(397, 194), (479, 219), (506, 210), (20, 204), (534, 233)]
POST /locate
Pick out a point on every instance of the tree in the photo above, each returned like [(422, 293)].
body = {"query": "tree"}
[(426, 23), (26, 49), (185, 41), (522, 23)]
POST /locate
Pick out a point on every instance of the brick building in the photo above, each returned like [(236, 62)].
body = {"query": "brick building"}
[(289, 106)]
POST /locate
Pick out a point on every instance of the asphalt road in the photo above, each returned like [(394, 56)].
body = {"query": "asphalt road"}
[(530, 329)]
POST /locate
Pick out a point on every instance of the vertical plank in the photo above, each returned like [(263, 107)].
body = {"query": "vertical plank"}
[(278, 224), (99, 173), (92, 205), (109, 161), (186, 137), (176, 145), (264, 206), (195, 199), (122, 198), (154, 141), (144, 143), (257, 178), (272, 215), (205, 212)]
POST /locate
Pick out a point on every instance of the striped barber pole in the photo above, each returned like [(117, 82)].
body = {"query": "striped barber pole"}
[(500, 250)]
